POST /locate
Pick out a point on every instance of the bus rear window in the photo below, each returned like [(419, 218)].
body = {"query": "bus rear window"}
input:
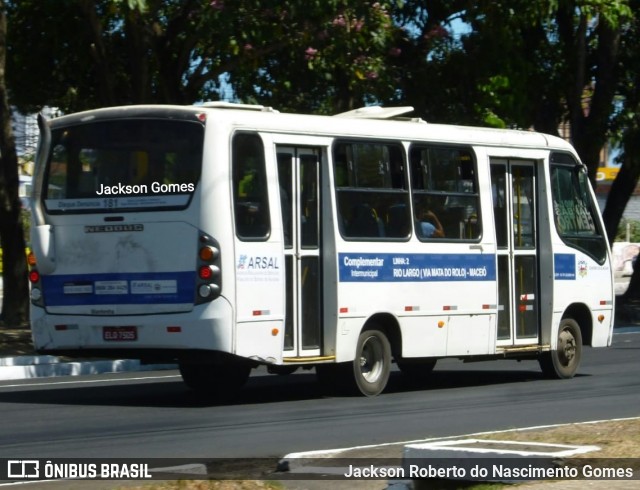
[(120, 165)]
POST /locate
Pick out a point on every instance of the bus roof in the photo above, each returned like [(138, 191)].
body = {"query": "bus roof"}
[(365, 122)]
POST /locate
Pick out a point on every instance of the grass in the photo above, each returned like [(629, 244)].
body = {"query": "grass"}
[(616, 439)]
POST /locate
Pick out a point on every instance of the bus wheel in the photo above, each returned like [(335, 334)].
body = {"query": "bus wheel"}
[(563, 362), (418, 369), (215, 379), (372, 364)]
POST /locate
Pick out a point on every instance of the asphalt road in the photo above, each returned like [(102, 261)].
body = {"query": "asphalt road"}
[(154, 415)]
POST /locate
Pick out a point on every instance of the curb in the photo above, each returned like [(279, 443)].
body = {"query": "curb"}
[(29, 367)]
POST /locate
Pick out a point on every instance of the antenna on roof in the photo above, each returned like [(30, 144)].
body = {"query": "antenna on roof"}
[(376, 112)]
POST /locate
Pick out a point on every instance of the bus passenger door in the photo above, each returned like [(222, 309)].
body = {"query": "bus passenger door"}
[(299, 183), (514, 205)]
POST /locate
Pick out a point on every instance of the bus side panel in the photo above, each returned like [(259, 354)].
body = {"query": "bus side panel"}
[(444, 303), (347, 338), (260, 280), (576, 274), (423, 337), (603, 330), (471, 335), (260, 341)]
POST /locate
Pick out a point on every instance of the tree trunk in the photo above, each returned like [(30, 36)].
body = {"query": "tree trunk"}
[(15, 303), (104, 73), (619, 195), (621, 190)]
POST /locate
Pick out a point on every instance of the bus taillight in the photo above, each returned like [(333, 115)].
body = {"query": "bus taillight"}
[(205, 273), (34, 279), (36, 292), (209, 276), (208, 254), (34, 276)]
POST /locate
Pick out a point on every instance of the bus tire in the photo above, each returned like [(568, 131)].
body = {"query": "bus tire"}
[(372, 364), (215, 379), (563, 362)]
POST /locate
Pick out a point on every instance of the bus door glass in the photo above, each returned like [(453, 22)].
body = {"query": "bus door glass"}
[(514, 205), (299, 183)]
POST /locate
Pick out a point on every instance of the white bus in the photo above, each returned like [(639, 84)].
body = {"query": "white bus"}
[(223, 237)]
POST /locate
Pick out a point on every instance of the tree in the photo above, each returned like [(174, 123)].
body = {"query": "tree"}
[(15, 288), (324, 56), (95, 53), (432, 70), (321, 56), (627, 132), (523, 64), (590, 35)]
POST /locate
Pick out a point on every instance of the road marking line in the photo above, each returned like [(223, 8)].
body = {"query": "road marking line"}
[(329, 452), (28, 482)]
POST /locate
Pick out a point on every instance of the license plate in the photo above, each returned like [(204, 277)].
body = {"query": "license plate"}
[(119, 334)]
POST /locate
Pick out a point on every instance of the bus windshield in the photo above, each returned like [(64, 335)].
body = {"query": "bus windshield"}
[(120, 165)]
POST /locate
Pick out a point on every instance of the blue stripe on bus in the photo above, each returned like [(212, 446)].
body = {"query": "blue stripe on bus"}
[(119, 288), (372, 267), (564, 266)]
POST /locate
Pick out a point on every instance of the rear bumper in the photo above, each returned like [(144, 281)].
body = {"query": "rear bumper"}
[(166, 337)]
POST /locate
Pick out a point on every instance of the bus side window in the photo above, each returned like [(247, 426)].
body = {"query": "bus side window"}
[(250, 202), (372, 195), (444, 182)]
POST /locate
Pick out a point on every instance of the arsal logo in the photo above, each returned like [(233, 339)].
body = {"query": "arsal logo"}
[(246, 262)]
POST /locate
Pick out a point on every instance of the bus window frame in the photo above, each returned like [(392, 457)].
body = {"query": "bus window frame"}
[(265, 187), (440, 194), (43, 194), (404, 194), (572, 164)]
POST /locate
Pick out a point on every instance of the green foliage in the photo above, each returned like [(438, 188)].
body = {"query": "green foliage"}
[(323, 57), (140, 5), (296, 54), (510, 69), (628, 230)]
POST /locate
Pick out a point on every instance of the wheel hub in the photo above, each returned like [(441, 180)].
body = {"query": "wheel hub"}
[(567, 347), (371, 359)]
